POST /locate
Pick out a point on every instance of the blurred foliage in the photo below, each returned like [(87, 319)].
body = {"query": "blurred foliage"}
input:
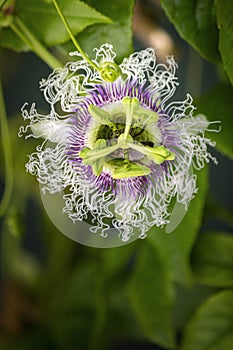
[(225, 25), (210, 266), (218, 105), (176, 248), (196, 22), (118, 33), (211, 326), (43, 21), (172, 290)]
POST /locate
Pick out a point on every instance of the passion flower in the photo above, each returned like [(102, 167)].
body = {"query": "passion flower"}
[(116, 149)]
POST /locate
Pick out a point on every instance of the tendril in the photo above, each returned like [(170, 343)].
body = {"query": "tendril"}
[(109, 71)]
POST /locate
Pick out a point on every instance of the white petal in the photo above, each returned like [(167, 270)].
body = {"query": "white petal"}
[(54, 131), (196, 124)]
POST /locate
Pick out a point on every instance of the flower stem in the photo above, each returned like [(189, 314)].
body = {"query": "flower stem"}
[(21, 30), (6, 144), (72, 37)]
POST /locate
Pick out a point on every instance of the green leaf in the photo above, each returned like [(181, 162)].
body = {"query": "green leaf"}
[(212, 259), (188, 299), (19, 265), (72, 310), (9, 40), (151, 296), (211, 328), (42, 19), (217, 104), (36, 339), (2, 3), (177, 245), (24, 185), (225, 25), (118, 33), (115, 259), (121, 323), (196, 23)]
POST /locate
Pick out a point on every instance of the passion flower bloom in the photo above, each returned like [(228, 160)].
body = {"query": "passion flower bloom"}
[(114, 146)]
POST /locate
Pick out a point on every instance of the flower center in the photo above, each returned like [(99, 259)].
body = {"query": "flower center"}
[(125, 139)]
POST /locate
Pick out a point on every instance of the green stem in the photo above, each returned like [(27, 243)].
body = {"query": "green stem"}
[(72, 37), (6, 144), (21, 30), (2, 3)]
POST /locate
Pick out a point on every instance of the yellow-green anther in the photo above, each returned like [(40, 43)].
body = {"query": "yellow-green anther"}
[(109, 71), (171, 156), (157, 154), (130, 170), (97, 165), (161, 150), (97, 152), (100, 115), (83, 153), (130, 105)]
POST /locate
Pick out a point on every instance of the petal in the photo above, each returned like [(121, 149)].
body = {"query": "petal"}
[(54, 131)]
